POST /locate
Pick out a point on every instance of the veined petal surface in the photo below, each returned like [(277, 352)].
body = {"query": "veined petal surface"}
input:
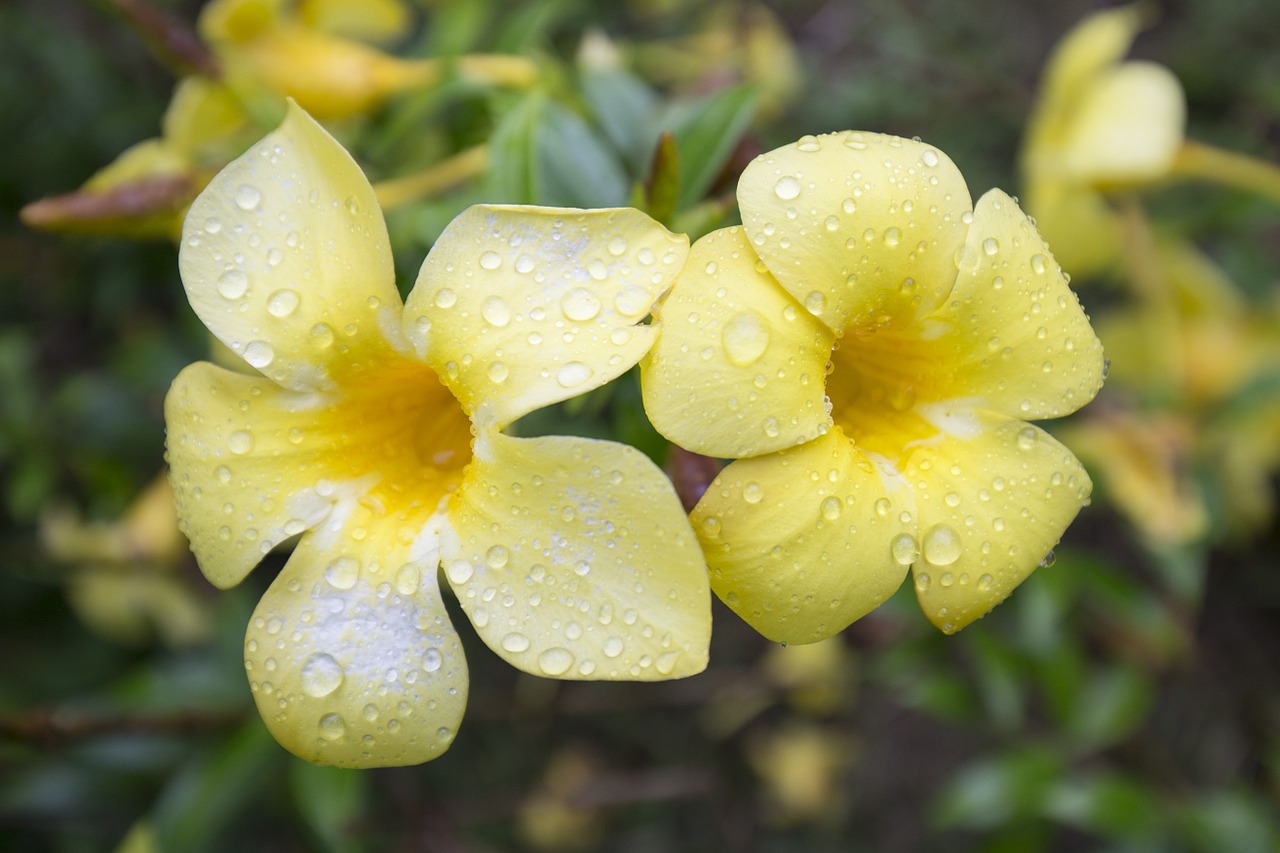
[(350, 654), (285, 257), (802, 542), (574, 559), (518, 307), (1014, 331), (741, 368), (861, 228), (993, 496)]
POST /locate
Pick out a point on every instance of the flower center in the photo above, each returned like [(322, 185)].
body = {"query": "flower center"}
[(403, 425), (877, 378)]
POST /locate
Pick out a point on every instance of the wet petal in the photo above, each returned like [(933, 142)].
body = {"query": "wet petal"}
[(858, 227), (1129, 126), (803, 542), (520, 307), (234, 469), (350, 654), (739, 367), (1016, 332), (993, 495), (574, 559), (285, 258), (1076, 221)]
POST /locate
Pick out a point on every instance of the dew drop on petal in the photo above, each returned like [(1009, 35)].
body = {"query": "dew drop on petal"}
[(745, 338), (752, 493), (332, 726), (232, 284), (240, 442), (990, 246), (408, 579), (555, 661), (1027, 438), (445, 298), (259, 353), (787, 187), (612, 647), (342, 573), (515, 642), (498, 372), (573, 374), (490, 260), (432, 659), (321, 675), (247, 197), (495, 312), (580, 304), (632, 301), (831, 507), (283, 302), (941, 545), (903, 549)]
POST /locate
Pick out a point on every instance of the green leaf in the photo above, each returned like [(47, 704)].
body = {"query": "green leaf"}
[(706, 130), (624, 107), (330, 801), (513, 151), (575, 167), (1111, 705), (995, 792)]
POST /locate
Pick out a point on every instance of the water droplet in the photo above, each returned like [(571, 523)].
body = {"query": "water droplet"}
[(990, 246), (496, 557), (1027, 438), (1038, 264), (632, 301), (498, 372), (771, 427), (752, 493), (903, 549), (212, 225), (815, 302), (432, 659), (555, 661), (883, 506), (232, 284), (929, 158), (515, 642), (612, 647), (459, 571), (408, 579), (490, 260), (352, 206), (941, 545), (745, 338), (332, 727), (573, 374), (495, 312), (259, 353), (597, 270), (809, 144), (831, 507), (342, 573), (224, 474), (985, 583), (580, 304), (445, 298), (1049, 560), (247, 197), (787, 187), (321, 675), (892, 236), (282, 303), (240, 442)]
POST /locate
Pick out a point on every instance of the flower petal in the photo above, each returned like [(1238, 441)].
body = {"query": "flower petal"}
[(803, 542), (993, 496), (1129, 127), (738, 368), (520, 307), (234, 470), (574, 559), (285, 258), (350, 654), (1099, 40), (858, 227), (1021, 342)]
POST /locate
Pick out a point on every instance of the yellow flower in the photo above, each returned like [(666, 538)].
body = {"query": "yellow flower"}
[(867, 346), (375, 432), (274, 48), (1100, 122)]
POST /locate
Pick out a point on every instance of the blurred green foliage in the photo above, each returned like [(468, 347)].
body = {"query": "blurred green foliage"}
[(1125, 698)]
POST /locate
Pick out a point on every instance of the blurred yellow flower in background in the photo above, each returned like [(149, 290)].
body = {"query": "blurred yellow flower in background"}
[(375, 431), (869, 347), (125, 581)]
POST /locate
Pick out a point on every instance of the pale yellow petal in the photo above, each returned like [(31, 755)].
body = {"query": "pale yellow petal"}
[(574, 559), (1128, 128), (1098, 41), (858, 227), (739, 367), (803, 542), (993, 497), (351, 656), (520, 307), (377, 21), (1012, 330), (1077, 223), (285, 258), (235, 472)]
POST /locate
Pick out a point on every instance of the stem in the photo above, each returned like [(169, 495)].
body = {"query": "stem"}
[(434, 179), (1197, 160)]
